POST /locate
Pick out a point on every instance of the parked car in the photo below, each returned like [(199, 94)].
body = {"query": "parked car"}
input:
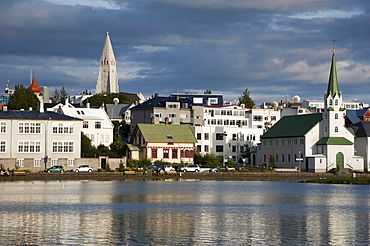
[(215, 169), (168, 168), (55, 169), (156, 167), (190, 168), (240, 166), (83, 168)]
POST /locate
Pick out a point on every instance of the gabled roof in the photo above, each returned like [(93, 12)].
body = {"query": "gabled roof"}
[(33, 115), (117, 111), (334, 141), (293, 126), (362, 129), (167, 133)]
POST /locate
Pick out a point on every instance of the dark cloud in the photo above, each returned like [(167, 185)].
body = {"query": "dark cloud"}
[(277, 49)]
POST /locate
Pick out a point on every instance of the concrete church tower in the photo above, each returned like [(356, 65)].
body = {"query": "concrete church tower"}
[(107, 79)]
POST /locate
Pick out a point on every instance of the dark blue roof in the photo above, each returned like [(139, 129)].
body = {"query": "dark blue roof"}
[(161, 102), (33, 115)]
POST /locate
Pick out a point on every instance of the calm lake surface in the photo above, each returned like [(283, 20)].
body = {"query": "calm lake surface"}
[(183, 213)]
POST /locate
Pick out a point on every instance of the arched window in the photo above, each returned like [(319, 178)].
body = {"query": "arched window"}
[(336, 129), (336, 102), (326, 129), (336, 116), (330, 102)]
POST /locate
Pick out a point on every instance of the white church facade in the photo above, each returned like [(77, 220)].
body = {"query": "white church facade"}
[(314, 142), (107, 78)]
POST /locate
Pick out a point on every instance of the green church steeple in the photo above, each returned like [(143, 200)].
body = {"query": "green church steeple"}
[(333, 79)]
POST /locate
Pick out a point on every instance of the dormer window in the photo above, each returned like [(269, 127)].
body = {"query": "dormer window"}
[(169, 137)]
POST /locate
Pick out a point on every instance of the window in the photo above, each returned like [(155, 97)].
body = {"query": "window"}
[(172, 115), (234, 137), (330, 102), (233, 149), (206, 136), (336, 129), (282, 158), (54, 162), (219, 136), (213, 100), (206, 148), (154, 153), (295, 141), (289, 142), (29, 146), (326, 129), (85, 124), (277, 158), (288, 158), (174, 153), (283, 142), (199, 148), (219, 148), (199, 136), (2, 146), (166, 154), (20, 162), (336, 116), (63, 147), (70, 162), (187, 153), (336, 102), (3, 127), (276, 142), (37, 162), (29, 127), (97, 125), (172, 105), (301, 141), (63, 128)]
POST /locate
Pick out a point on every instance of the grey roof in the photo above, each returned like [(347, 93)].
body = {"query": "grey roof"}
[(161, 102), (116, 111), (362, 129), (33, 115)]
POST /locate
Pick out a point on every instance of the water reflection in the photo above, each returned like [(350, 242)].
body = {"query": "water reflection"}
[(183, 213)]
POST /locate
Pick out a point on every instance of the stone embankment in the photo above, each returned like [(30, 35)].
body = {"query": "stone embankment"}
[(219, 176)]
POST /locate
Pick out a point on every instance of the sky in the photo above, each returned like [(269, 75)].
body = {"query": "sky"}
[(276, 49)]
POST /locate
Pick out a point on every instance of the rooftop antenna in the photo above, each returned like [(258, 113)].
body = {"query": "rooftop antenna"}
[(333, 40)]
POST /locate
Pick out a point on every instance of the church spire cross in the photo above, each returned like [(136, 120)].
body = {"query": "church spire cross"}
[(333, 41)]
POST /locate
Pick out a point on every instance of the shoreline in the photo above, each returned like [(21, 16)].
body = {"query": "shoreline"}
[(205, 176)]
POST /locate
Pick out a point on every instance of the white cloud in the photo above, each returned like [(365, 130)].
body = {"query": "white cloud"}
[(328, 13), (91, 3)]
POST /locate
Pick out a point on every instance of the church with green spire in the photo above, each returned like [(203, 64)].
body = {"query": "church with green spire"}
[(313, 142)]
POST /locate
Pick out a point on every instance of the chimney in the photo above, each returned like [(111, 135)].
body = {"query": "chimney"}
[(87, 105), (156, 95), (5, 108), (41, 105), (177, 97)]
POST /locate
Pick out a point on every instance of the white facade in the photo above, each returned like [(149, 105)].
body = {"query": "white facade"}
[(35, 141), (107, 78), (96, 124), (227, 131)]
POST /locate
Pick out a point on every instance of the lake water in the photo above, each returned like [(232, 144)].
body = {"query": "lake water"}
[(183, 213)]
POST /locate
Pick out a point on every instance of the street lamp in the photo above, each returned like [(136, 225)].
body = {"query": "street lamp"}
[(299, 159), (224, 159)]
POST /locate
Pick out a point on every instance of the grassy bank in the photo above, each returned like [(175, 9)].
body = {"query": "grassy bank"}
[(340, 180)]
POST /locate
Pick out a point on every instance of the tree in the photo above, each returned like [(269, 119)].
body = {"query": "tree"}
[(207, 92), (60, 95), (87, 150), (23, 98), (246, 99), (99, 99)]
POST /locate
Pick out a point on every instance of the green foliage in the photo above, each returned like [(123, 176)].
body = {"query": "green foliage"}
[(86, 92), (207, 92), (23, 98), (60, 95), (121, 128), (117, 147), (162, 162), (87, 150), (207, 159), (246, 99), (100, 99), (139, 163)]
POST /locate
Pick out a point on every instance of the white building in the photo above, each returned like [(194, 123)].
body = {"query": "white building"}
[(314, 142), (107, 78), (96, 123), (37, 140), (227, 131)]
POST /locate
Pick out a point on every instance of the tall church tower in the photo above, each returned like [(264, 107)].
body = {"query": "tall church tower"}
[(333, 111), (107, 79)]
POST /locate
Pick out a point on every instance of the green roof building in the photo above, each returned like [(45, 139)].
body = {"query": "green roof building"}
[(313, 142)]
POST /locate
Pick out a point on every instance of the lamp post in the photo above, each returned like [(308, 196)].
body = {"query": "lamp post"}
[(224, 159), (299, 159)]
